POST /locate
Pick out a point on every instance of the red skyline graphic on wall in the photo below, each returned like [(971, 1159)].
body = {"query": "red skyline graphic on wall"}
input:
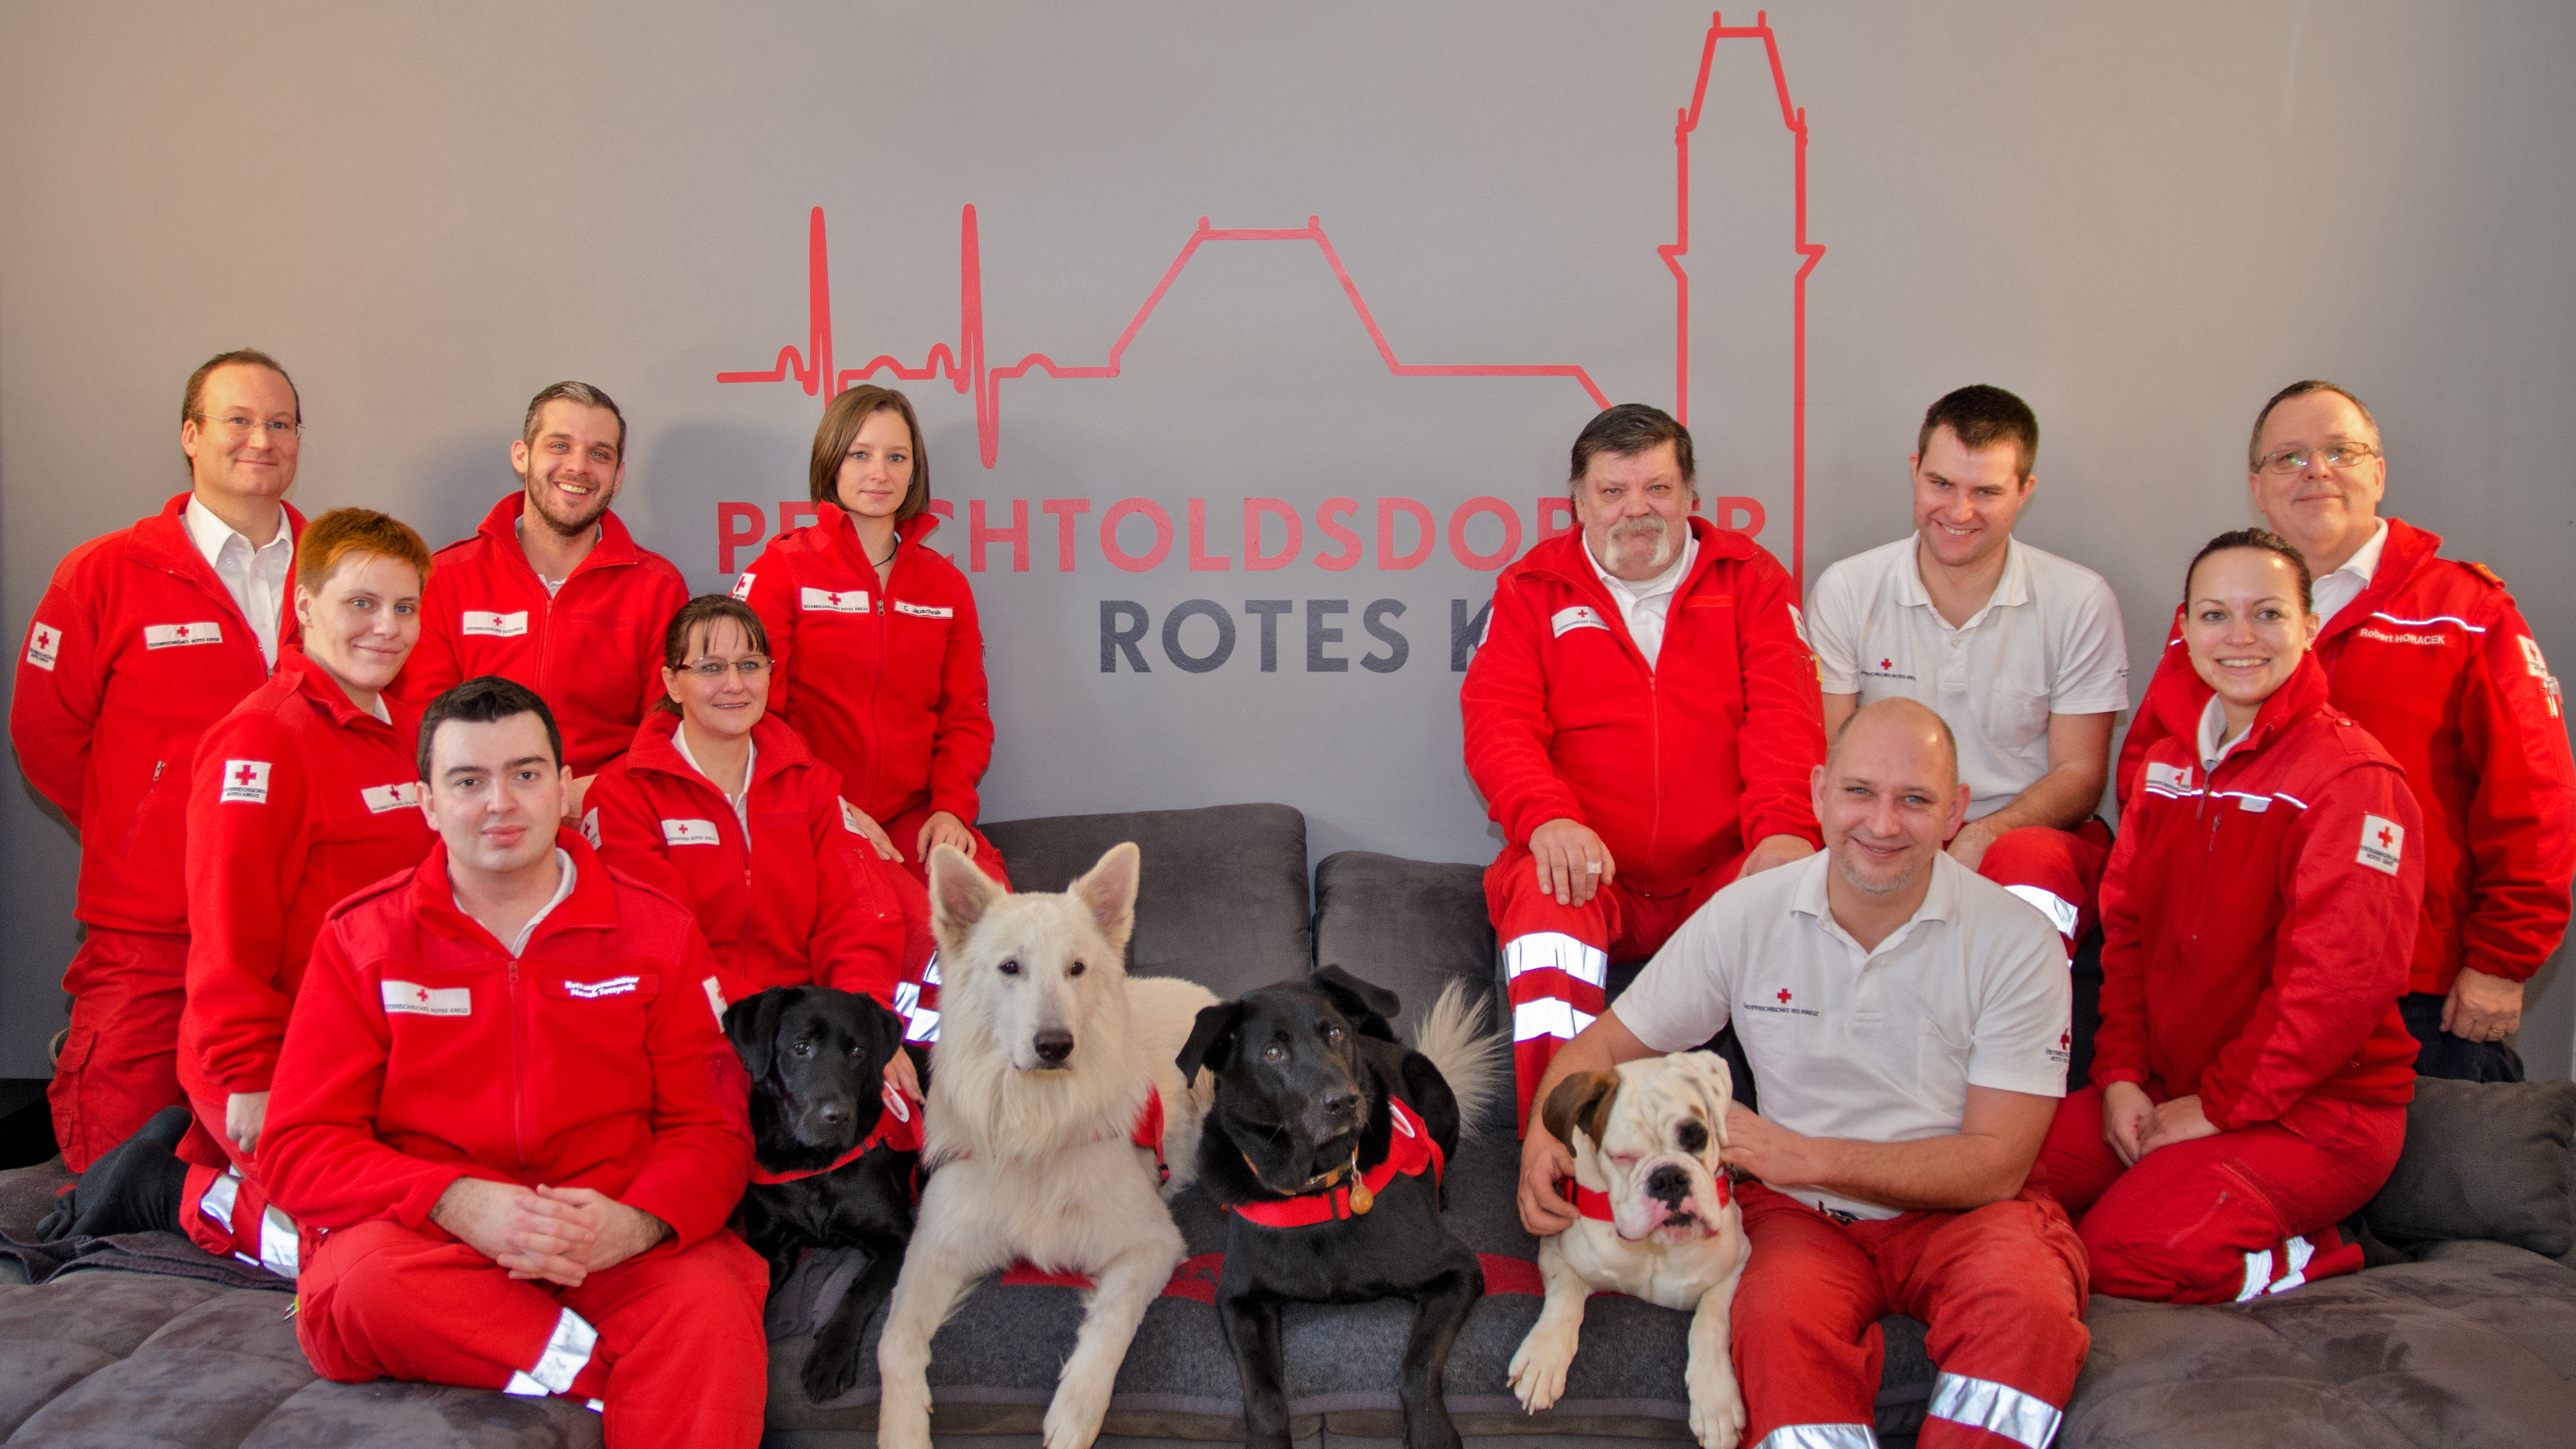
[(966, 367)]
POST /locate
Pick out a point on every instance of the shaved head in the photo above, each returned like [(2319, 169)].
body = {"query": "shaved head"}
[(1901, 717)]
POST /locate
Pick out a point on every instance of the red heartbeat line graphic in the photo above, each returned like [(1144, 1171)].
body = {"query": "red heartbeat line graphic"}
[(965, 367)]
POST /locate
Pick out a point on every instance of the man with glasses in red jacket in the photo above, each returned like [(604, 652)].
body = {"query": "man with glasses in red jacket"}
[(1642, 717), (146, 637), (504, 1099), (2431, 656)]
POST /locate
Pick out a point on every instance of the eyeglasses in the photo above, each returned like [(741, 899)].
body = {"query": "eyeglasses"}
[(278, 428), (2332, 455), (750, 666)]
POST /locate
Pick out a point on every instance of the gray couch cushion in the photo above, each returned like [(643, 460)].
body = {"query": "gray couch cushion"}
[(2484, 1160), (1410, 926), (1222, 899)]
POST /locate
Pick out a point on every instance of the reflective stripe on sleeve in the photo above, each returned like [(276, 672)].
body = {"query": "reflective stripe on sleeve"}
[(567, 1353), (1995, 1408), (1545, 950), (2060, 911), (1547, 1018), (1820, 1436)]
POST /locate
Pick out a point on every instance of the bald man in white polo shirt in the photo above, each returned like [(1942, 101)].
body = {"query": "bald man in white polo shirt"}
[(1907, 1021), (2018, 650)]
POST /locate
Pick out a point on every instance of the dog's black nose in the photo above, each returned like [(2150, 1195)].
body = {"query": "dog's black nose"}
[(833, 1113), (1054, 1045), (1669, 1183), (1342, 1104)]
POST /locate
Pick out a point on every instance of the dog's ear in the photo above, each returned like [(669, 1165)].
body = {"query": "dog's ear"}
[(879, 1027), (1370, 1007), (959, 896), (1108, 890), (1716, 1083), (751, 1024), (1583, 1100), (1211, 1043)]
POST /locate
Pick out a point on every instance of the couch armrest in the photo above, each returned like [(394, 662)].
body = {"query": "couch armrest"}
[(2484, 1160)]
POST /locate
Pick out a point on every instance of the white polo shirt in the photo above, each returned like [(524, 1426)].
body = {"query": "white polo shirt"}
[(1872, 1046), (2048, 642)]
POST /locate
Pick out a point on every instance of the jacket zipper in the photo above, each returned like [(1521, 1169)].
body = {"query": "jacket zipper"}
[(518, 1064), (878, 599)]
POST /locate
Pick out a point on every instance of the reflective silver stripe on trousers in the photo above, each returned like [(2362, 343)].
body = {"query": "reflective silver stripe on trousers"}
[(218, 1201), (1820, 1436), (1544, 950), (566, 1354), (2060, 911), (2298, 1251), (278, 1248), (1995, 1408), (2258, 1272)]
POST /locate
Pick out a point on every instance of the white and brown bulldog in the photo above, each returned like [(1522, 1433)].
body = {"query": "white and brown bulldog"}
[(1659, 1223)]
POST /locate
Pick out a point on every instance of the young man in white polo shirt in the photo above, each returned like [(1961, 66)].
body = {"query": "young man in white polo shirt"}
[(2019, 651), (1908, 1023)]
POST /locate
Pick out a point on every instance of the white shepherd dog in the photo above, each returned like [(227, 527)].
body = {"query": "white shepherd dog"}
[(1048, 1053)]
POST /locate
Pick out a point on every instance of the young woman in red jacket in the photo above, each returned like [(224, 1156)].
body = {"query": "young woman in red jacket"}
[(305, 793), (2251, 1072), (720, 805), (879, 662)]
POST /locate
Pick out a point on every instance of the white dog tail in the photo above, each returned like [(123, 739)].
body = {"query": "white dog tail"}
[(1475, 1065)]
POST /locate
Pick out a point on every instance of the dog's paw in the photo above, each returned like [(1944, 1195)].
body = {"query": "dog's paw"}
[(1073, 1417), (897, 1430), (1716, 1410), (832, 1367), (1538, 1368)]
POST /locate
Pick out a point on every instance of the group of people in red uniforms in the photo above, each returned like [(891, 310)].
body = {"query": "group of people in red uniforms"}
[(477, 846), (2347, 831)]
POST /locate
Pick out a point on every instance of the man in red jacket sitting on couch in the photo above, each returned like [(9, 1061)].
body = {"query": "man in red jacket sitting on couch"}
[(1642, 718)]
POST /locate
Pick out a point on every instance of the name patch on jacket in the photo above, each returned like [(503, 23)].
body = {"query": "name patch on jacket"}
[(924, 611), (421, 1000), (690, 832), (498, 626), (742, 586), (613, 986), (2383, 843), (827, 602), (381, 798), (2173, 779), (245, 782), (1580, 616), (172, 636), (44, 641)]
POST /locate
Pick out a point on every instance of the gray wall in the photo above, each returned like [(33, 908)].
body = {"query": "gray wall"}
[(2144, 220)]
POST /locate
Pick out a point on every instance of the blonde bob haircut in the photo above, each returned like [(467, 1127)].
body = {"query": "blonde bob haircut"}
[(345, 531), (841, 423)]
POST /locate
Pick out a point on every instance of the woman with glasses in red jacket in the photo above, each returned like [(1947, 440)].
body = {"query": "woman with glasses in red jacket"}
[(719, 804), (2251, 1072), (880, 662)]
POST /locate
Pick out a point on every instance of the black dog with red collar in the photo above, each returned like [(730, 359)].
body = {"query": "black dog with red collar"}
[(1325, 1147)]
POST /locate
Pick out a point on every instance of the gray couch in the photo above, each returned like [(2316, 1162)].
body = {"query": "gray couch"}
[(2467, 1335)]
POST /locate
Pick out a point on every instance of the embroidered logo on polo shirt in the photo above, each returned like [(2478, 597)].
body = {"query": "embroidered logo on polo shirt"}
[(593, 990), (2383, 844), (690, 832), (924, 611), (1886, 669), (1779, 1004), (742, 586), (381, 798), (44, 641), (245, 782), (172, 636), (1581, 616), (497, 626), (419, 1000), (824, 601)]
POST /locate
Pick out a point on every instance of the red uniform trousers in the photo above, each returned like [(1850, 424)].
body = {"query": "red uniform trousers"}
[(2059, 871), (2225, 1218), (1556, 959), (2001, 1288), (670, 1340), (120, 1064)]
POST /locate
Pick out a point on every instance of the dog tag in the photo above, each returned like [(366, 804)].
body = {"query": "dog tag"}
[(1361, 1198)]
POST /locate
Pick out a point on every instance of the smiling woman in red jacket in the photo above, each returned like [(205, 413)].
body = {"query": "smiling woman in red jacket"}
[(720, 805), (879, 661), (304, 793), (2251, 1072)]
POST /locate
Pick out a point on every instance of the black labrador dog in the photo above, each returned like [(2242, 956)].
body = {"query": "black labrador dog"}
[(1325, 1148), (836, 1164)]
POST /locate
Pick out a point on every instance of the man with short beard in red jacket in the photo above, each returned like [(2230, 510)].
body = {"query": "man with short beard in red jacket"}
[(506, 1104), (2434, 660), (1642, 717)]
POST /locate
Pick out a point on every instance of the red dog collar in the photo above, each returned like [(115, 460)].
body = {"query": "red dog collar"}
[(898, 1127), (1409, 1151), (1595, 1205)]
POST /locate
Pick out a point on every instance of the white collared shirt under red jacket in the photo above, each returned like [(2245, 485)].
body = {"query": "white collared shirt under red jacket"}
[(135, 648), (1680, 767), (2257, 917), (885, 683), (592, 649), (298, 798), (802, 898), (422, 1051), (2436, 662)]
